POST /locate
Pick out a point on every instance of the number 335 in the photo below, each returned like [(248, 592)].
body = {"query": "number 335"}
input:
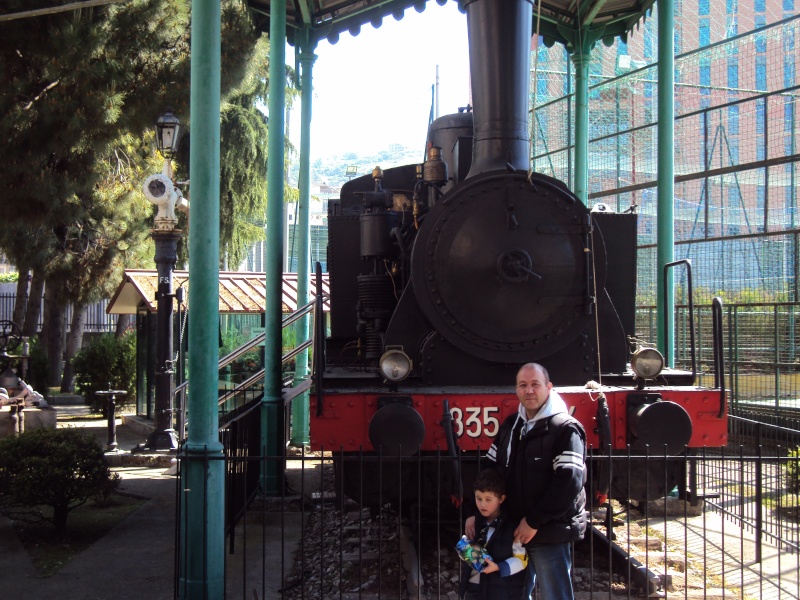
[(473, 425)]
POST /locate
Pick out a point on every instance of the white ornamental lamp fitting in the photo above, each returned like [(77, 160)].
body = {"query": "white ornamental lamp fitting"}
[(168, 134)]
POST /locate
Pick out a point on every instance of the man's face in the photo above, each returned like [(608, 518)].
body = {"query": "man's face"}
[(532, 389)]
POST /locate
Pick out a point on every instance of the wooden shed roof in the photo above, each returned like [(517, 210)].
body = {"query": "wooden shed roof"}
[(238, 292)]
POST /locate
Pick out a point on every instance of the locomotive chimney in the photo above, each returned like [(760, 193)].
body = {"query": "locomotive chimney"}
[(499, 59)]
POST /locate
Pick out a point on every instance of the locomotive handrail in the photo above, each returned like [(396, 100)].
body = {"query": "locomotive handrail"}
[(319, 339), (719, 360), (668, 266)]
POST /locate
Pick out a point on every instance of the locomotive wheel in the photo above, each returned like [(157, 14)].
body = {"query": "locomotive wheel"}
[(646, 480), (500, 267), (371, 482)]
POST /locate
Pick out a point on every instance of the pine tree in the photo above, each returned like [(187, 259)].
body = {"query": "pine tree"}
[(82, 89)]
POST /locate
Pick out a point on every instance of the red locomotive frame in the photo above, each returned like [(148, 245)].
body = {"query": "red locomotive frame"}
[(345, 417)]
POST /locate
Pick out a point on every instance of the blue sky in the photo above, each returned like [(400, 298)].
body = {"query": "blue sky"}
[(374, 89)]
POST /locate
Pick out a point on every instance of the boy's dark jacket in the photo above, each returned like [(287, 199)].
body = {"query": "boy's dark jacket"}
[(499, 548), (552, 501)]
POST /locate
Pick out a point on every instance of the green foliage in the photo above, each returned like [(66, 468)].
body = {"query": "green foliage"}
[(243, 197), (793, 471), (82, 91), (9, 277), (46, 473), (108, 362), (38, 366), (232, 339)]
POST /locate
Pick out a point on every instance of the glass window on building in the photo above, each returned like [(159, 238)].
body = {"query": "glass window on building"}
[(733, 74), (705, 76), (733, 119), (761, 73), (704, 32), (760, 126)]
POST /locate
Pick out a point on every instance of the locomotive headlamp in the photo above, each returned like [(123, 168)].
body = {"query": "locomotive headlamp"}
[(647, 363), (395, 365)]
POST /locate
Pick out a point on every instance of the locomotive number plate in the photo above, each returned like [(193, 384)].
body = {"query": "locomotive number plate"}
[(476, 421)]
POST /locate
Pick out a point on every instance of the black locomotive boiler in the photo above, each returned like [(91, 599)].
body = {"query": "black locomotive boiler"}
[(446, 276)]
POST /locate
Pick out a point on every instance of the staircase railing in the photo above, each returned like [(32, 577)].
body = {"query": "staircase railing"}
[(314, 308)]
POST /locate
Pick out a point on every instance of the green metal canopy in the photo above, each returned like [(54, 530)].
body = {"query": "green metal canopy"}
[(578, 24), (570, 22)]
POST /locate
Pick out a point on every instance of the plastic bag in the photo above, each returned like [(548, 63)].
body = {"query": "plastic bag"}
[(473, 554)]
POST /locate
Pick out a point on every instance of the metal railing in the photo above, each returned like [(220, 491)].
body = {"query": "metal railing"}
[(231, 400), (97, 320), (240, 422), (315, 541), (761, 352)]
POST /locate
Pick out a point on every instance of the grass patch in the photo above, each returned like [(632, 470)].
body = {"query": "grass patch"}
[(86, 525), (785, 505), (67, 418)]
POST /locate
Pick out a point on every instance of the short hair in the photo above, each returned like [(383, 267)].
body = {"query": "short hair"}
[(490, 480), (538, 367)]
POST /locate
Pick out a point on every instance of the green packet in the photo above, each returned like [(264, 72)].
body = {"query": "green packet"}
[(472, 554)]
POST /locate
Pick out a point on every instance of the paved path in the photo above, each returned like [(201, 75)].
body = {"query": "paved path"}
[(134, 561)]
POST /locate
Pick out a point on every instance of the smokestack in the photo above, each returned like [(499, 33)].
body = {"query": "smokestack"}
[(499, 59)]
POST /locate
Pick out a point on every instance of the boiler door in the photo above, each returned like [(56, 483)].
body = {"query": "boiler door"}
[(501, 269)]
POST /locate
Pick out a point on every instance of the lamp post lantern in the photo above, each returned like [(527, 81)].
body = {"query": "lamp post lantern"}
[(161, 191), (168, 134)]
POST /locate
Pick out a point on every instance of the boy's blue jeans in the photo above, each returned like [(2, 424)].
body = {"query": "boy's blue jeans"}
[(549, 566)]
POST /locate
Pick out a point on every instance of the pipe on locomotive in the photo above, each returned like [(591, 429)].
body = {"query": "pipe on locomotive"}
[(499, 82)]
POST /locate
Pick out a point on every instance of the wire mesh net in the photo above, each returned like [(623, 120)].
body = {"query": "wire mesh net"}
[(736, 163)]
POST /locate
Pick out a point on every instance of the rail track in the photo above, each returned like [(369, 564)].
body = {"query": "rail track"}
[(350, 552)]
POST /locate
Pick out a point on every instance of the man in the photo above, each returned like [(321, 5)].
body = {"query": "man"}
[(541, 452)]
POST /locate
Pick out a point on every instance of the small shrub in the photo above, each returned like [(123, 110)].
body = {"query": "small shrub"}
[(38, 366), (108, 362), (46, 473)]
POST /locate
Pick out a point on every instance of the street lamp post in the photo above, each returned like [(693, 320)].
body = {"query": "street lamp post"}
[(161, 191)]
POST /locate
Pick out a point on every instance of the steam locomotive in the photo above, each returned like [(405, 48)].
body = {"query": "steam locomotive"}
[(446, 277)]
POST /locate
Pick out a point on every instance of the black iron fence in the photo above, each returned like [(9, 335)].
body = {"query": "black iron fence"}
[(730, 527), (96, 318), (761, 354)]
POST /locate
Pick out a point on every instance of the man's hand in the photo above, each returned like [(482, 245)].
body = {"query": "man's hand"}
[(524, 532), (469, 528)]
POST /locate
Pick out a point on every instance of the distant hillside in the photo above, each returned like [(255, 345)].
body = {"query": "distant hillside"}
[(332, 170)]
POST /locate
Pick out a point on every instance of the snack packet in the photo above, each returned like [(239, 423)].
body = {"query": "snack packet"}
[(473, 554)]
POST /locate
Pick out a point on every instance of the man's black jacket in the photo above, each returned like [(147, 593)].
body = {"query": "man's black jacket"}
[(545, 475)]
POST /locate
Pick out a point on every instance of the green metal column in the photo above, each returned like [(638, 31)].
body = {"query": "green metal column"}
[(306, 64), (272, 413), (581, 62), (666, 173), (202, 536)]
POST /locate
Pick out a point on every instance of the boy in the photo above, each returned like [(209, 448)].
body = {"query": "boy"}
[(503, 577)]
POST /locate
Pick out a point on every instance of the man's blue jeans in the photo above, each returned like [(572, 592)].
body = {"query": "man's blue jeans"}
[(550, 567)]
